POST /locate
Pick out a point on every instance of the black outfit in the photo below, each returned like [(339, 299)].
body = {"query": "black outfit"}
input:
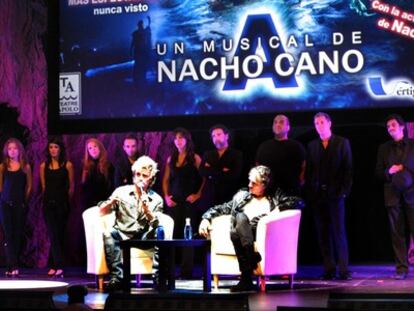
[(56, 209), (243, 230), (123, 172), (220, 186), (328, 182), (399, 203), (12, 209), (96, 187), (285, 159), (183, 181)]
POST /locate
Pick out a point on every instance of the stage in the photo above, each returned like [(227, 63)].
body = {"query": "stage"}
[(308, 290)]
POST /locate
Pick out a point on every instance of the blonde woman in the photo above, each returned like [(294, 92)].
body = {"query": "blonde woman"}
[(15, 188)]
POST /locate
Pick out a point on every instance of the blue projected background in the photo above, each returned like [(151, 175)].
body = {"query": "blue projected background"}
[(130, 58)]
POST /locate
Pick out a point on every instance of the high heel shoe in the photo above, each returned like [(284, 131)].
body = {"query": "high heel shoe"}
[(51, 272), (59, 273)]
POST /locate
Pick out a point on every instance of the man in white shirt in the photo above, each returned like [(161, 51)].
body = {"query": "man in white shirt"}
[(246, 209)]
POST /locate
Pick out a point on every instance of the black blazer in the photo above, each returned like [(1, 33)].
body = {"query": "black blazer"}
[(387, 157), (339, 167)]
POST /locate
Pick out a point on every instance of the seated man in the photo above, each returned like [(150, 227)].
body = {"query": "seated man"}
[(136, 208), (246, 209)]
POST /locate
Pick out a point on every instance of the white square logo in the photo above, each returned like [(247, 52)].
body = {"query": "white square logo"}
[(70, 93)]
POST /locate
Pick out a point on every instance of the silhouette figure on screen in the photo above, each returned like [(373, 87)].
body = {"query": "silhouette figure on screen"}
[(141, 50)]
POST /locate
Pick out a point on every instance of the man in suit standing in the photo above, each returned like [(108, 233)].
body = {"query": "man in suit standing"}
[(328, 183), (395, 167)]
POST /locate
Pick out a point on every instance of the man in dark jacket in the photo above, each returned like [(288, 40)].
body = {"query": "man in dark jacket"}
[(246, 209), (221, 167), (123, 173), (395, 167), (328, 183)]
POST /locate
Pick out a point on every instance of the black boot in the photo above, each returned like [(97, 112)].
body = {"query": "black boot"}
[(253, 257), (245, 284)]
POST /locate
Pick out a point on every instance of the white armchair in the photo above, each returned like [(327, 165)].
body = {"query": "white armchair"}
[(276, 241), (95, 225)]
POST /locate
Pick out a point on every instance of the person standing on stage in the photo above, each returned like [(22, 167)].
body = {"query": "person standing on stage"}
[(15, 188), (97, 174), (123, 172), (395, 167), (328, 183), (221, 168), (57, 181), (137, 208), (285, 157), (182, 187)]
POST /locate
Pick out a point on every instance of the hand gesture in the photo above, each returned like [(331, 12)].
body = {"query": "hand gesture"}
[(204, 228)]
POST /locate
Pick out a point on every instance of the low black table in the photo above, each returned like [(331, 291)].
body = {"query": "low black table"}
[(166, 256)]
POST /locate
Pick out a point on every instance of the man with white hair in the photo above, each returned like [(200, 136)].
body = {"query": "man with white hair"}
[(136, 208), (246, 208)]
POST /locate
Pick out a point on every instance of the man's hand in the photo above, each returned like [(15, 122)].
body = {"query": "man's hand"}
[(193, 197), (105, 207), (204, 228), (395, 169)]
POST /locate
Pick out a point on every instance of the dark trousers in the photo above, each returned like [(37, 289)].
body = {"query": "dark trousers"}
[(113, 252), (179, 213), (242, 236), (329, 214), (12, 219), (56, 216), (399, 217)]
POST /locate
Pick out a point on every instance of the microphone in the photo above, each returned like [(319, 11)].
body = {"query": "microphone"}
[(144, 196)]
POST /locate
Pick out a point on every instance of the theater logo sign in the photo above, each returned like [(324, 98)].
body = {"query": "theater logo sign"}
[(70, 93)]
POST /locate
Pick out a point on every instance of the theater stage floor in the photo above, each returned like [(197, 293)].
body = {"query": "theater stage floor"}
[(308, 290)]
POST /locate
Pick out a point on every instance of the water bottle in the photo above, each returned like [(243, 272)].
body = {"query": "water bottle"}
[(188, 231), (160, 233)]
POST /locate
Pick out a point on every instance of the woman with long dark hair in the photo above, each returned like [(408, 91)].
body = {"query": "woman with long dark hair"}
[(57, 181), (182, 187), (15, 188)]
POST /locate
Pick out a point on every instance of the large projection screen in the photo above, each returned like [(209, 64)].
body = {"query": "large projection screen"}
[(158, 60)]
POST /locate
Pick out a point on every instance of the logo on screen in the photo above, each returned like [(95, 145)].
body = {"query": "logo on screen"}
[(258, 30), (69, 93), (396, 88)]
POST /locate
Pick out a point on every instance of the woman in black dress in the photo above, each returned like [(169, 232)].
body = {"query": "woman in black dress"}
[(182, 187), (57, 181), (15, 188), (97, 174)]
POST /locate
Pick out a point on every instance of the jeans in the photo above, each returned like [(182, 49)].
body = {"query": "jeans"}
[(113, 252)]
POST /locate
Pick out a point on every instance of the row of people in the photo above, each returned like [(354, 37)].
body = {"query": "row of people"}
[(182, 186), (327, 169), (328, 174)]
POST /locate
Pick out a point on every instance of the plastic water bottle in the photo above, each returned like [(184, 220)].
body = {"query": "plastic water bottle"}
[(160, 233), (188, 231)]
